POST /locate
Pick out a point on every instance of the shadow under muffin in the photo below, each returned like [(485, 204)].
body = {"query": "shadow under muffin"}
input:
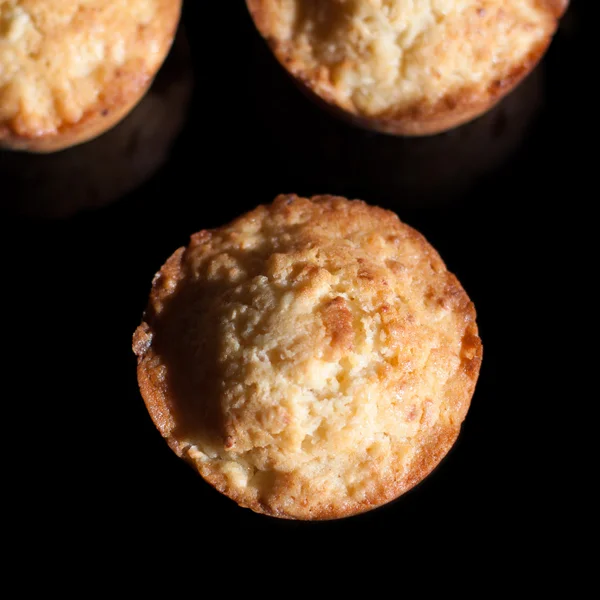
[(310, 147)]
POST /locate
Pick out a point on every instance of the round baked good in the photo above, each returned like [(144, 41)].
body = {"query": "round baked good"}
[(104, 170), (70, 70), (314, 359), (408, 68)]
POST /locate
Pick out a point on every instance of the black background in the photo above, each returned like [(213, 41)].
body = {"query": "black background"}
[(500, 198)]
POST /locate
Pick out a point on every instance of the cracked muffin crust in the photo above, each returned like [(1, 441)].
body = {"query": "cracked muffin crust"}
[(313, 359), (408, 67), (71, 69)]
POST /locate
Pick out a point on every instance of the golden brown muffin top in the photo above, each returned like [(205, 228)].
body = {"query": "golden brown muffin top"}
[(313, 359), (64, 61), (388, 58)]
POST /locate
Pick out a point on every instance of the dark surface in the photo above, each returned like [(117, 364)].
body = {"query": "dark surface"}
[(85, 462)]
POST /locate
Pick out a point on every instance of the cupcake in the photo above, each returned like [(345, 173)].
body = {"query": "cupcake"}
[(407, 68), (312, 360), (71, 70)]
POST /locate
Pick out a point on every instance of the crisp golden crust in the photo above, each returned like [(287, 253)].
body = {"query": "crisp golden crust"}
[(313, 359), (408, 68), (71, 69)]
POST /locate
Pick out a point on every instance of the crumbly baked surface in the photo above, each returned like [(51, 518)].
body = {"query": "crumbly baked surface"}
[(113, 164), (65, 64), (411, 66), (313, 359)]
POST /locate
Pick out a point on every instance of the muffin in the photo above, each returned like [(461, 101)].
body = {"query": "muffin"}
[(313, 359), (408, 68), (105, 170), (70, 70)]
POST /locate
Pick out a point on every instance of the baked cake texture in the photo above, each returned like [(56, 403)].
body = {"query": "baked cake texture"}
[(409, 67), (71, 69), (314, 359), (112, 165)]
